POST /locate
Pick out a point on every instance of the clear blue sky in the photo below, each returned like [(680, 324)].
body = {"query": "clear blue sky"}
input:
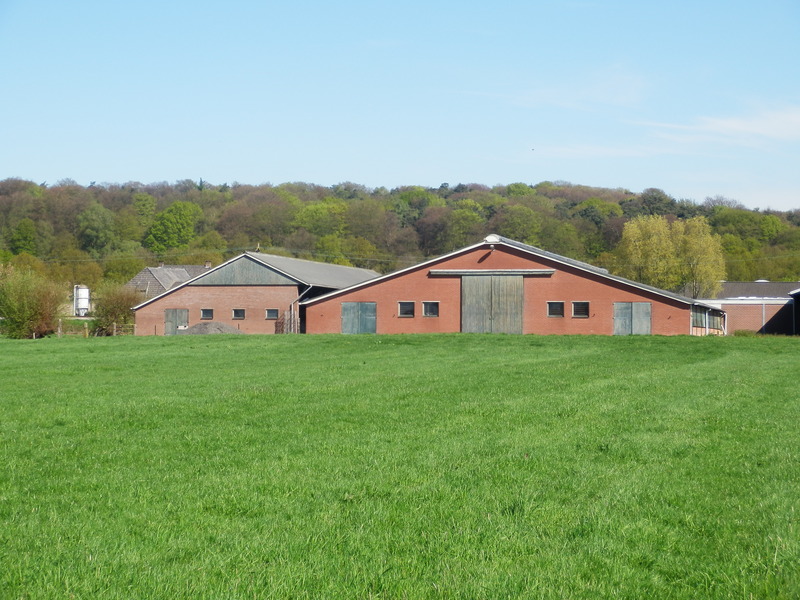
[(696, 97)]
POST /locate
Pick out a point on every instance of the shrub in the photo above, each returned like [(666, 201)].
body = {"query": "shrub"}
[(29, 303), (112, 306)]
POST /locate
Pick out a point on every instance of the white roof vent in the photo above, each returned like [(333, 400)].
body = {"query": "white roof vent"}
[(492, 239)]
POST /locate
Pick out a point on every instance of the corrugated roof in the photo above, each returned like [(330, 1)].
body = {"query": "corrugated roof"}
[(600, 271), (757, 289), (153, 281), (306, 272), (316, 273)]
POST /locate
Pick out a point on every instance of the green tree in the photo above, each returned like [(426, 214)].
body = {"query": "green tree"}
[(517, 222), (322, 218), (173, 228), (701, 261), (23, 238), (683, 256), (29, 303), (113, 307), (96, 230)]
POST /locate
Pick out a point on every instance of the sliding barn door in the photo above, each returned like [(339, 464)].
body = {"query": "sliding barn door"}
[(632, 318), (359, 317), (491, 303)]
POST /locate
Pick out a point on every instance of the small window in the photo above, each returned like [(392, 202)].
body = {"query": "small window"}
[(430, 309), (555, 309), (238, 314), (580, 310), (405, 309), (272, 314), (206, 314)]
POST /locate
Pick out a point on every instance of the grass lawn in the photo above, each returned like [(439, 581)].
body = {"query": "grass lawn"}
[(447, 466)]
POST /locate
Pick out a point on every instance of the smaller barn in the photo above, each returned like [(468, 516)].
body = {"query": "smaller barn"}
[(253, 292), (154, 281), (503, 286), (761, 306)]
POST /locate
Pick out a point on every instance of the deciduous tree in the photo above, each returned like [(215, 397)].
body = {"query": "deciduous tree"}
[(28, 303)]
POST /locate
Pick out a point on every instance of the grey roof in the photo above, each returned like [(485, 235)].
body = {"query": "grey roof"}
[(307, 272), (493, 239), (153, 281), (757, 289), (316, 273), (604, 272)]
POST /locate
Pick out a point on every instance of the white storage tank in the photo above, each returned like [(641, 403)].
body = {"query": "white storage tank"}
[(81, 300)]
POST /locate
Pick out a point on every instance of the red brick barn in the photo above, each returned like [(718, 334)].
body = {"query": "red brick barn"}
[(253, 292), (503, 286)]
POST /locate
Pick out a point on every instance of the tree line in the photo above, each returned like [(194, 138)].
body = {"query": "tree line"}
[(96, 234)]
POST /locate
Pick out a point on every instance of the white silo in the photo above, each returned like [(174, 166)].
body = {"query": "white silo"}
[(80, 300)]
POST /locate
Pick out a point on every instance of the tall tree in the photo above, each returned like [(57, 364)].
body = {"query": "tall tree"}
[(96, 231), (682, 256), (700, 257), (173, 228)]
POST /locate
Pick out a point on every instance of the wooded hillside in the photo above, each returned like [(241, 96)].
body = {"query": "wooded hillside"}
[(86, 234)]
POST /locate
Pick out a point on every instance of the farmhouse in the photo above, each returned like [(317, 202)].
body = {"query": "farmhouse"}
[(253, 292), (503, 286)]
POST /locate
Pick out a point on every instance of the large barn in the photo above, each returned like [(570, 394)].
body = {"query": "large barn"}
[(503, 286), (252, 293)]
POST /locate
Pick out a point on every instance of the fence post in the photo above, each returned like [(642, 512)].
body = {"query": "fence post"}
[(59, 328), (86, 330), (114, 329)]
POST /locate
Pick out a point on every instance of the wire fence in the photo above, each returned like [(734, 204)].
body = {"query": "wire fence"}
[(87, 329)]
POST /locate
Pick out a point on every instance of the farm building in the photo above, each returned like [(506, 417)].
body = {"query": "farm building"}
[(503, 286), (154, 281), (760, 306), (253, 292)]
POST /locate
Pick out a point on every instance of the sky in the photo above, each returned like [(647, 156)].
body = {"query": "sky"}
[(699, 98)]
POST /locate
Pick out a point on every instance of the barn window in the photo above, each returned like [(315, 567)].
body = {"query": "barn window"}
[(430, 309), (207, 314), (580, 310), (238, 314), (555, 309), (272, 314), (405, 309)]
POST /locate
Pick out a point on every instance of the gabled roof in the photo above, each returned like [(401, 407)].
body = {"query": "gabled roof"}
[(495, 240), (315, 273), (285, 269), (154, 281)]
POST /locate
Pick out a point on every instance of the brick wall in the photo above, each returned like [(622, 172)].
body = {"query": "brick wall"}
[(567, 284), (223, 300)]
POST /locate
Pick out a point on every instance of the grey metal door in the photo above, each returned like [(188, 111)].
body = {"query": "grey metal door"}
[(359, 317), (632, 318), (491, 303), (174, 319)]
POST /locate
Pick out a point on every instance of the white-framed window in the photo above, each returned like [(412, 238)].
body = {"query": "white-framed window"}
[(580, 310), (272, 314), (430, 309), (555, 309), (238, 314), (405, 310), (206, 314)]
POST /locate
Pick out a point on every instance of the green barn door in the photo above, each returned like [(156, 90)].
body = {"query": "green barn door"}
[(632, 318), (491, 303), (359, 317), (174, 319)]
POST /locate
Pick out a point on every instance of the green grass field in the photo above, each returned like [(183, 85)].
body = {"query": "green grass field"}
[(447, 466)]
